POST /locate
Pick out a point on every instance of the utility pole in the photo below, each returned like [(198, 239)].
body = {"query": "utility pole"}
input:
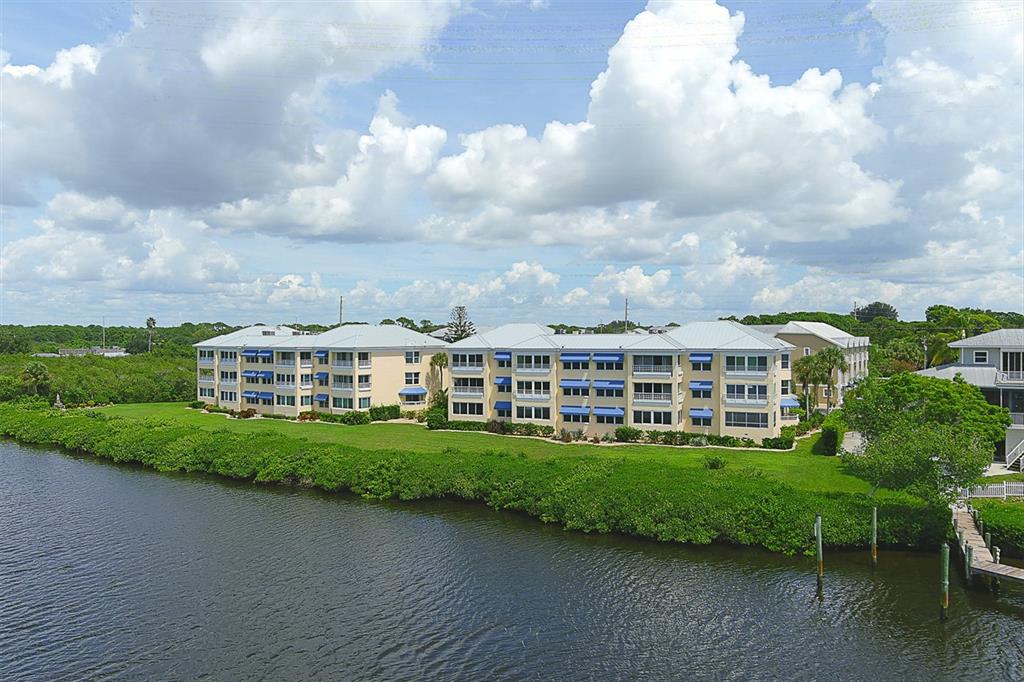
[(341, 309), (625, 320)]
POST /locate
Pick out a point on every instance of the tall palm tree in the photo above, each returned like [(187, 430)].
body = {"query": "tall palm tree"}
[(438, 361), (832, 363), (150, 325), (36, 378), (805, 370)]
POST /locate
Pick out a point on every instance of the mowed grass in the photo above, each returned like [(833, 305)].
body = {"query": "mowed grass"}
[(800, 468)]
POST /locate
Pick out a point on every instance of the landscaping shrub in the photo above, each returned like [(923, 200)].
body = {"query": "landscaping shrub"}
[(465, 425), (833, 428), (197, 404), (714, 462), (627, 434), (637, 496), (1005, 520), (437, 419), (309, 416), (383, 413)]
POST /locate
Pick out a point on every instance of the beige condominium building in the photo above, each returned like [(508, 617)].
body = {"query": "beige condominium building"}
[(277, 370), (719, 378), (811, 337)]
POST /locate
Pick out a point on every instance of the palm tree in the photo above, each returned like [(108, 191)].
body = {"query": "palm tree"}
[(805, 370), (438, 361), (150, 325), (36, 378), (832, 363)]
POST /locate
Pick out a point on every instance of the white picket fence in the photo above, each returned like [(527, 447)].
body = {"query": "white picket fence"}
[(1001, 490)]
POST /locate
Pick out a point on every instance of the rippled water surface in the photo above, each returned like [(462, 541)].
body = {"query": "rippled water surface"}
[(111, 572)]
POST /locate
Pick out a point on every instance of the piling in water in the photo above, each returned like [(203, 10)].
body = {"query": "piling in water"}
[(945, 582), (821, 558), (874, 536)]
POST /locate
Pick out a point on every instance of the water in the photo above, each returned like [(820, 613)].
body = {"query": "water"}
[(111, 572)]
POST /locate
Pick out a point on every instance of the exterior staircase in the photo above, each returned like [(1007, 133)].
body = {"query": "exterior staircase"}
[(1015, 457)]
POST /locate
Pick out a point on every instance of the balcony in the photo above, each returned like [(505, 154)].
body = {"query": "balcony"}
[(533, 395), (467, 367), (1017, 418), (364, 386), (206, 380), (205, 361), (229, 382), (229, 362), (364, 364), (285, 363), (653, 370), (746, 373), (790, 418), (1012, 377), (305, 384), (306, 363), (659, 398), (341, 387), (468, 391), (282, 384), (533, 369), (342, 364), (759, 402)]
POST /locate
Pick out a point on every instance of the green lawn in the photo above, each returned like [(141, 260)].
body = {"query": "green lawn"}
[(800, 468)]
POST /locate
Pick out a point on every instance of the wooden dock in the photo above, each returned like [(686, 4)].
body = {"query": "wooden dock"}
[(982, 560)]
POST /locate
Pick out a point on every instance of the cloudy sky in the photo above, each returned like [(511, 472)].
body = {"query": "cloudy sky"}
[(530, 160)]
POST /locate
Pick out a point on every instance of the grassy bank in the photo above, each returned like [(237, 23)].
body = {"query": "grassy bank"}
[(1005, 520), (658, 493)]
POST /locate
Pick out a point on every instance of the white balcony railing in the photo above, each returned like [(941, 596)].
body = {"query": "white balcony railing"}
[(1017, 418), (229, 362), (364, 387), (468, 391), (790, 418), (341, 387), (341, 364), (414, 402), (652, 369), (229, 382), (1012, 377), (533, 395), (282, 384), (206, 380), (746, 373), (745, 401), (467, 367), (652, 397), (285, 363), (533, 369), (306, 363), (364, 364), (205, 361)]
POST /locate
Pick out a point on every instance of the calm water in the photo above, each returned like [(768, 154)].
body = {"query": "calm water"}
[(111, 572)]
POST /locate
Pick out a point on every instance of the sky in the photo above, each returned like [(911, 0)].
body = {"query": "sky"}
[(531, 160)]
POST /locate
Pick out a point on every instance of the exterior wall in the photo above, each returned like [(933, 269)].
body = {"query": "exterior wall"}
[(856, 357)]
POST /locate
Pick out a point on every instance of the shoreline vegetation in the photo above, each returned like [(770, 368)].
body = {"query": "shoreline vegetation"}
[(673, 496)]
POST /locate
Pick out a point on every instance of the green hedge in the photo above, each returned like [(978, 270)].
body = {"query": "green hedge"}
[(1005, 520), (832, 431), (642, 497)]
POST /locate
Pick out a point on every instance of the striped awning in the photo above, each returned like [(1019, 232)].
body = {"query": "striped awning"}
[(789, 401), (503, 355), (574, 357), (610, 383), (574, 383), (573, 409), (265, 353), (608, 357), (502, 381), (266, 395), (249, 353), (250, 394), (322, 354), (700, 385), (700, 357), (321, 397), (701, 412), (503, 404), (609, 412), (321, 375), (413, 390), (265, 374), (249, 374)]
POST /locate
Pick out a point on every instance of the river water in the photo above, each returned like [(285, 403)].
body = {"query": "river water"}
[(118, 572)]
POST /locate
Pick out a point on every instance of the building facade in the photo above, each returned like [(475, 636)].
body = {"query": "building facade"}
[(809, 338), (278, 370), (994, 362), (717, 378)]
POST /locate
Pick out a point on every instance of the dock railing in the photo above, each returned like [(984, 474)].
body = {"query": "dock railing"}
[(1000, 490)]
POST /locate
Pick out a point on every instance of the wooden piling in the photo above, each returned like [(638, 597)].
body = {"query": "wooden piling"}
[(968, 562), (821, 558), (988, 540), (995, 554), (874, 536), (945, 582)]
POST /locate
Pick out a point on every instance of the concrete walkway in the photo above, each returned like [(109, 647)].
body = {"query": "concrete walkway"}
[(853, 442)]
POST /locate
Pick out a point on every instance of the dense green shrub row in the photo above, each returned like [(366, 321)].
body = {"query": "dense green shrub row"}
[(437, 420), (629, 434), (640, 497), (1005, 520), (832, 431)]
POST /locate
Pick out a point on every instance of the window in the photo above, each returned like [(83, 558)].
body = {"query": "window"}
[(981, 357), (343, 359), (267, 381), (608, 392), (504, 414), (321, 382), (504, 388), (609, 366), (306, 358), (206, 375), (700, 421), (468, 408), (649, 391), (506, 364), (342, 403), (535, 362), (364, 358), (531, 412), (744, 363), (468, 385), (533, 388), (576, 365), (364, 383), (286, 379), (252, 401), (787, 386), (343, 381), (286, 358), (206, 393), (229, 396), (229, 355), (785, 361), (469, 360), (306, 379), (601, 419), (746, 392), (576, 418), (576, 391), (652, 363), (288, 400), (307, 400), (266, 361), (647, 417), (412, 357), (807, 351), (701, 392), (700, 366), (231, 377), (364, 403), (205, 356), (755, 420), (412, 378)]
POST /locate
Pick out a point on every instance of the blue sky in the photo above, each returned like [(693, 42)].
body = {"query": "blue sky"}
[(531, 160)]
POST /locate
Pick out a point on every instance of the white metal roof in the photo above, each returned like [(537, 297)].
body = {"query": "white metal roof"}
[(353, 336), (725, 335), (1000, 338), (978, 375), (267, 334), (820, 329), (505, 336)]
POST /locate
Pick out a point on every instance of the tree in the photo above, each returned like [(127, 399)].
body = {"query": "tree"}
[(35, 377), (873, 310), (407, 323), (831, 362), (928, 459), (387, 320), (438, 361), (809, 372), (150, 325), (459, 326)]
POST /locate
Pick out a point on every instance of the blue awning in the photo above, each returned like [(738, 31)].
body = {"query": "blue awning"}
[(609, 412), (789, 401), (574, 383), (413, 390), (704, 412), (700, 385), (700, 357), (611, 383), (249, 353), (250, 394), (321, 397), (502, 355), (569, 409), (250, 374), (266, 395), (503, 404), (265, 353), (321, 375), (608, 357), (502, 381), (265, 374), (322, 354), (574, 357)]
